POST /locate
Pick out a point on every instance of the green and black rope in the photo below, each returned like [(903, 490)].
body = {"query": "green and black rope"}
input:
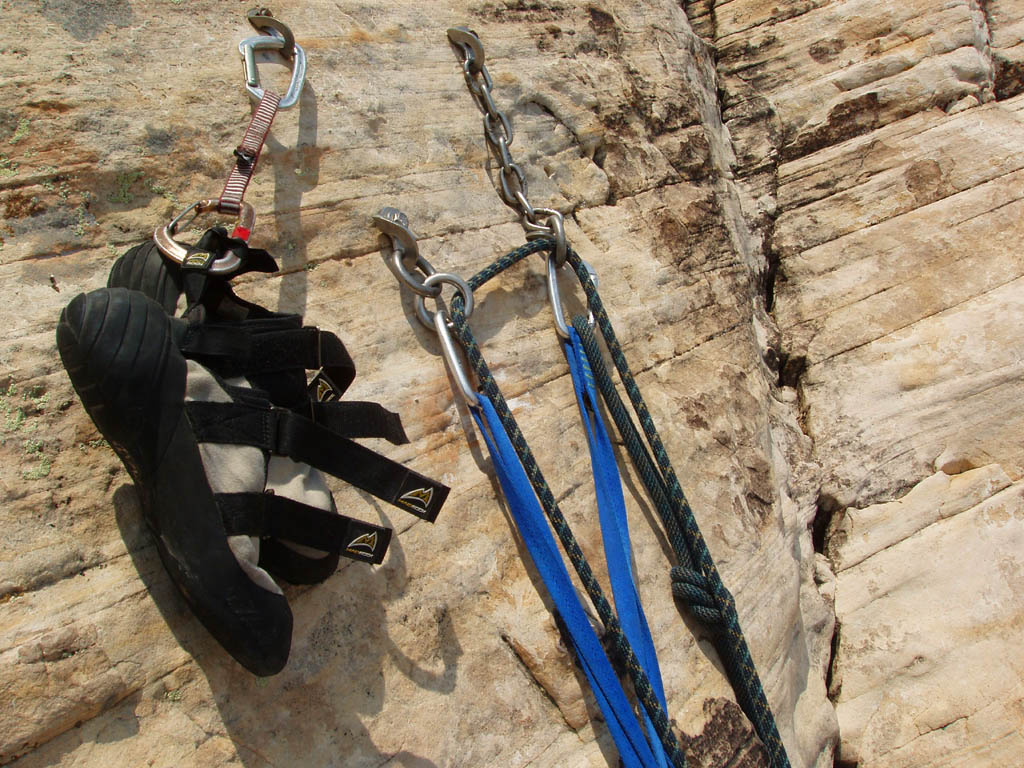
[(695, 579)]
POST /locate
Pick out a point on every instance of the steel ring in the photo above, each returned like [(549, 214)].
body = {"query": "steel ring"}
[(557, 224), (461, 286)]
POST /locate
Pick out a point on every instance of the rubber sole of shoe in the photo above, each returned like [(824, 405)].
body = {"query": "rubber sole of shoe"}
[(119, 349), (142, 268)]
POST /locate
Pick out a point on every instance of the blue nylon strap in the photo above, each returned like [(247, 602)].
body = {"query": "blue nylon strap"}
[(611, 508), (540, 543)]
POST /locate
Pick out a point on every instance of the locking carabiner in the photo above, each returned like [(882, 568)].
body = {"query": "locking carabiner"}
[(273, 41)]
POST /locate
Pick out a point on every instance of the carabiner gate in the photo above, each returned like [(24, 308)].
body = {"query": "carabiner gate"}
[(452, 358), (272, 42), (561, 327)]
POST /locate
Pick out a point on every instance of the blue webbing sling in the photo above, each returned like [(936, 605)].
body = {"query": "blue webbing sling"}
[(540, 544), (611, 508)]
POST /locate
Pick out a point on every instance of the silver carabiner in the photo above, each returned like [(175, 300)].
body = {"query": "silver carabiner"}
[(561, 327), (452, 358), (272, 42)]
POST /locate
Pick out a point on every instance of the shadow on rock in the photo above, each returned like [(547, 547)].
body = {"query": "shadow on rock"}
[(313, 712), (296, 171), (87, 21)]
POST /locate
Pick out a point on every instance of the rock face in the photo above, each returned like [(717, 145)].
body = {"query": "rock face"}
[(928, 663), (804, 218), (879, 150)]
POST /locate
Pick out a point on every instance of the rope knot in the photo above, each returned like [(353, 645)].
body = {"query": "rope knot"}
[(692, 588)]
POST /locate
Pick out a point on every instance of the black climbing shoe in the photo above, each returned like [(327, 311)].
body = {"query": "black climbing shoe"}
[(120, 352), (210, 298), (211, 415)]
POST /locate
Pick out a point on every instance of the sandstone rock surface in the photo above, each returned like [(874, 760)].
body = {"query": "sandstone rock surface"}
[(804, 217), (928, 667)]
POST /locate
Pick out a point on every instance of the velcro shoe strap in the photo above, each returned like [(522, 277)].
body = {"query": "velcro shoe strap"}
[(266, 514), (356, 418), (284, 433), (234, 350)]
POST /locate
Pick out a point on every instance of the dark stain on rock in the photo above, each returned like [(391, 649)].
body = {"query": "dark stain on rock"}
[(850, 118), (825, 51), (690, 238), (548, 37), (602, 22), (521, 10), (8, 124), (87, 21), (603, 38), (748, 53), (158, 140), (696, 421), (1009, 77), (48, 105), (673, 236), (926, 182), (727, 739), (689, 153), (673, 116), (18, 205), (760, 491)]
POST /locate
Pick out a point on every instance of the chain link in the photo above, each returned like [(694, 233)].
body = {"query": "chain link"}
[(512, 187), (405, 253), (414, 271)]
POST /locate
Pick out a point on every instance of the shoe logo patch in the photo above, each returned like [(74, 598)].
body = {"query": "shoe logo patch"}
[(418, 499), (197, 260), (366, 542), (323, 390)]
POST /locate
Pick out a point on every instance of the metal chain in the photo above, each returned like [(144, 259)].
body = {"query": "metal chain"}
[(414, 271), (512, 187)]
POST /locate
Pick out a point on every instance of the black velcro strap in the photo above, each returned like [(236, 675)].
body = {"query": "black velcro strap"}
[(360, 419), (335, 362), (285, 433), (308, 442), (233, 423), (266, 514), (235, 350)]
